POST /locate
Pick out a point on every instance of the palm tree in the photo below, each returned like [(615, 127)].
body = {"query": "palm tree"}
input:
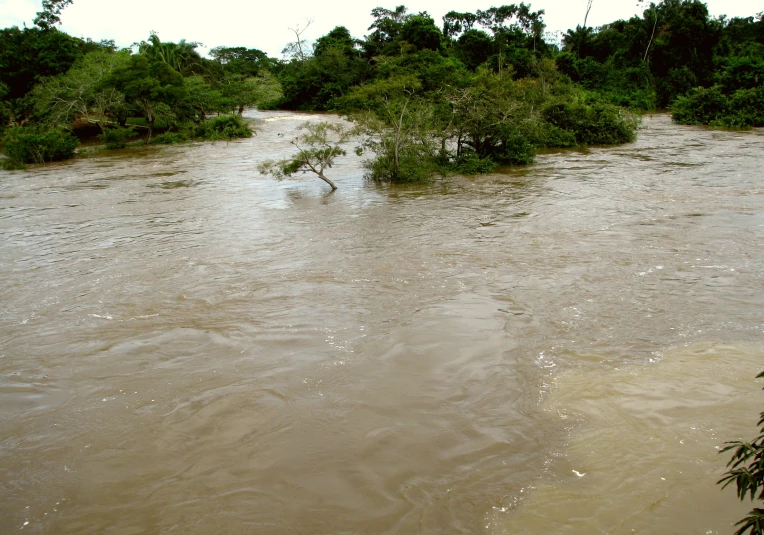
[(578, 40), (181, 56)]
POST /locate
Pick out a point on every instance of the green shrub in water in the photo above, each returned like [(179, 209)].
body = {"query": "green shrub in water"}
[(412, 167), (116, 138), (169, 138), (542, 134), (222, 127), (10, 165), (746, 108), (743, 108), (24, 145), (595, 124), (470, 163), (513, 148), (700, 106)]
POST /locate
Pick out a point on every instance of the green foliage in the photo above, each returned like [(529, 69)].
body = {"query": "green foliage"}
[(241, 60), (50, 14), (487, 83), (318, 146), (151, 86), (203, 98), (239, 91), (469, 163), (116, 138), (421, 32), (674, 84), (408, 168), (700, 106), (30, 145), (746, 470), (710, 106), (169, 138), (473, 48), (495, 116), (544, 135), (387, 27), (398, 129), (12, 165), (513, 148), (181, 57), (80, 93), (314, 83), (223, 127), (746, 108), (28, 56), (744, 72), (596, 124), (610, 83)]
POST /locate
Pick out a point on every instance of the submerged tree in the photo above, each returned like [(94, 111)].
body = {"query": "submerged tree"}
[(398, 128), (317, 148), (746, 470), (239, 91)]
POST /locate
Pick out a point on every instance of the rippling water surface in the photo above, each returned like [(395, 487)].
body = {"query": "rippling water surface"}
[(189, 347)]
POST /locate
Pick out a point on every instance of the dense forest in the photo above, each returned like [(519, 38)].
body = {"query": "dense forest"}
[(482, 89)]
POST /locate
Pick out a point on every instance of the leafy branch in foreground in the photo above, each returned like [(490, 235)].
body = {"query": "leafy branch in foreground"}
[(746, 470), (317, 148)]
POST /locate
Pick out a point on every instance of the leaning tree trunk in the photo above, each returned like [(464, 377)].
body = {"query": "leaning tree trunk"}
[(322, 177)]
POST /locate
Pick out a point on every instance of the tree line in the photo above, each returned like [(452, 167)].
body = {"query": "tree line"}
[(482, 89)]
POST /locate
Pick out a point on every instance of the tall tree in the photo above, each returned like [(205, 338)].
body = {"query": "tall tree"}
[(50, 14), (153, 86), (80, 93), (318, 147), (181, 56)]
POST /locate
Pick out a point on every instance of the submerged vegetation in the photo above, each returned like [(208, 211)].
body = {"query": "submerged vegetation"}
[(318, 147), (485, 88), (26, 144), (746, 470)]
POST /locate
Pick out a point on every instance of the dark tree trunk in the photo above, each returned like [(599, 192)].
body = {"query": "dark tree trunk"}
[(322, 177)]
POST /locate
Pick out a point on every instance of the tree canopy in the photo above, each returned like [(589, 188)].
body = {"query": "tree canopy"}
[(487, 85)]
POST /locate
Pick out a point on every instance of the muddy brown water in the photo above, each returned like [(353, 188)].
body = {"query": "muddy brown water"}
[(189, 347)]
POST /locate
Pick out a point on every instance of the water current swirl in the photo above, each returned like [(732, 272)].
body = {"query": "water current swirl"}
[(187, 346)]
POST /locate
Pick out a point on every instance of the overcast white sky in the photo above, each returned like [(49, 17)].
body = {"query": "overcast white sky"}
[(265, 24)]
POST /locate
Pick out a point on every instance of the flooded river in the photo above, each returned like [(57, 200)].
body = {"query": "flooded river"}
[(189, 347)]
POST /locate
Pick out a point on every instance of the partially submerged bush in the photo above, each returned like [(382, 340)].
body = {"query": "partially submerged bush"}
[(30, 145), (412, 166), (595, 124), (11, 165), (470, 163), (700, 106), (513, 148), (116, 138), (318, 146), (746, 108), (222, 127), (743, 108), (169, 138), (544, 135)]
